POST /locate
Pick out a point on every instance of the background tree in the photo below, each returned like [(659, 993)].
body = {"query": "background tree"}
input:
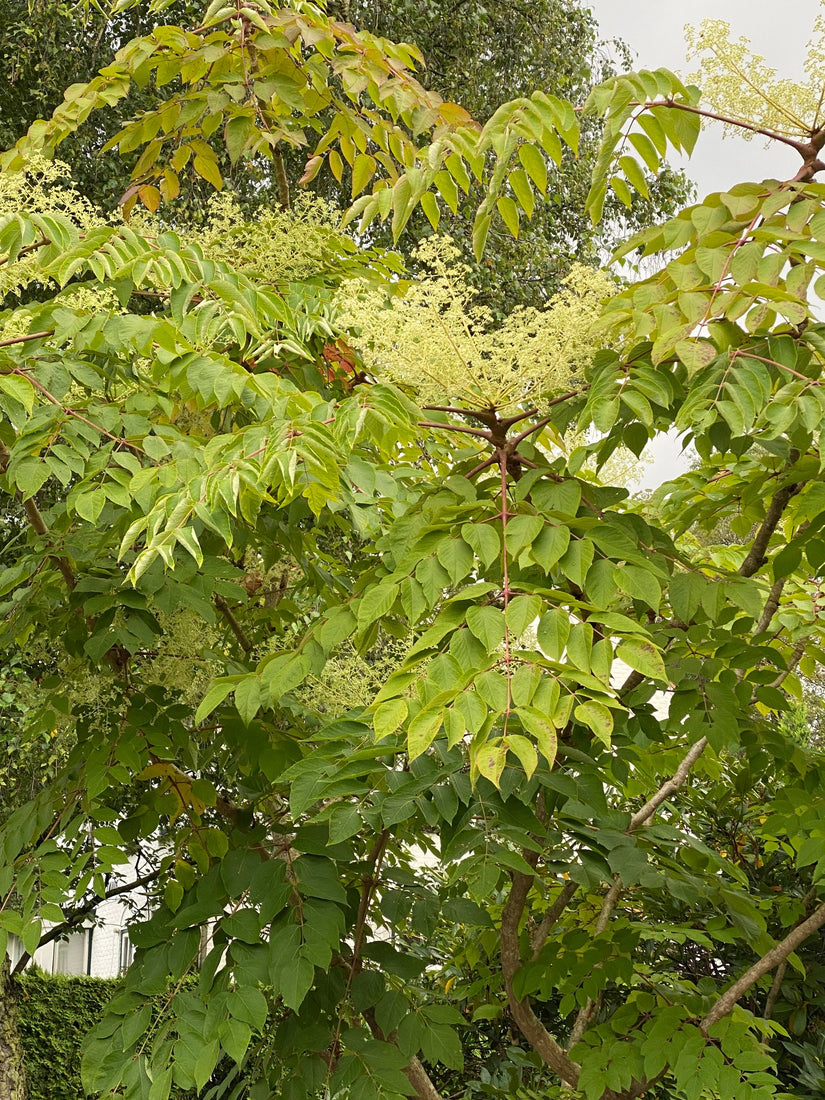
[(475, 55)]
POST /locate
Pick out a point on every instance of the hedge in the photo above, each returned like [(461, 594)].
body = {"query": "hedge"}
[(55, 1014)]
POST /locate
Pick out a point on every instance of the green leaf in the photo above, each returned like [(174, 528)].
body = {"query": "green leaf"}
[(295, 982), (643, 656), (597, 717), (422, 731), (484, 541), (553, 632), (525, 752), (481, 227), (521, 612), (534, 165), (362, 172), (388, 717), (509, 213), (490, 759), (18, 387), (235, 1037), (543, 730), (487, 624), (521, 532)]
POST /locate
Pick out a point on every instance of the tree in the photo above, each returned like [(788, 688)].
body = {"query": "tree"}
[(270, 475), (475, 55)]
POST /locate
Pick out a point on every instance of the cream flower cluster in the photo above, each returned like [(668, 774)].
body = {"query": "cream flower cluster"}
[(432, 336)]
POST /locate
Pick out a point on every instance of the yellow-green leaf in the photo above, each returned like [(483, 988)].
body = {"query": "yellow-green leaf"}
[(643, 656), (208, 170), (535, 166), (362, 172), (509, 213), (597, 717), (422, 731)]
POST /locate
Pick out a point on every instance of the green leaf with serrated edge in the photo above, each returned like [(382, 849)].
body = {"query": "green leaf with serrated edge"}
[(643, 656), (597, 717)]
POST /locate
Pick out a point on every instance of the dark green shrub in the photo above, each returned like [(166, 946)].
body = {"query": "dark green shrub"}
[(55, 1014)]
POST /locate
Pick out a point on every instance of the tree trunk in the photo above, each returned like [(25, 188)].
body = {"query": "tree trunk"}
[(12, 1070)]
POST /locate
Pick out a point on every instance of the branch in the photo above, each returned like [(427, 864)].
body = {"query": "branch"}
[(550, 917), (27, 337), (670, 787), (282, 181), (793, 661), (234, 625), (529, 1024), (415, 1072), (35, 518), (481, 432), (776, 985), (26, 249), (778, 504), (800, 146), (771, 606), (777, 955), (79, 914), (586, 1012)]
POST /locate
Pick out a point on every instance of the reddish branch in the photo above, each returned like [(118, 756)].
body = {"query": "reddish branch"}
[(26, 338)]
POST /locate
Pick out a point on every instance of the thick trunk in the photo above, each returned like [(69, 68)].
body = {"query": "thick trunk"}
[(12, 1073)]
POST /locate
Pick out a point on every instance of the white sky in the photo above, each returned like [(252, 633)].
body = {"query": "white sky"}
[(654, 30)]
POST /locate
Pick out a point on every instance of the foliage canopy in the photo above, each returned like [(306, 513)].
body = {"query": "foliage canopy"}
[(224, 499)]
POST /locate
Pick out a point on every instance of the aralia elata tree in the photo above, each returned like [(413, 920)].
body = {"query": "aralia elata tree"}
[(272, 467)]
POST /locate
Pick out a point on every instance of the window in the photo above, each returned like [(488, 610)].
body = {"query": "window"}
[(127, 951)]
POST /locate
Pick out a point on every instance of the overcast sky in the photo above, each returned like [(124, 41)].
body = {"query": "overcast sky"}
[(654, 30)]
